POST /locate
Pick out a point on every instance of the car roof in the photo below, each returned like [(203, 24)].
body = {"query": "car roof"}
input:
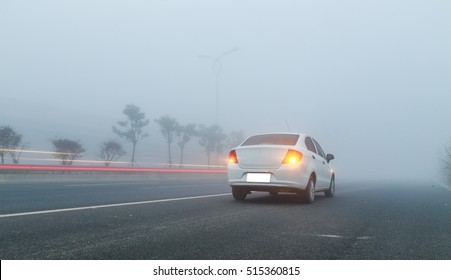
[(302, 135)]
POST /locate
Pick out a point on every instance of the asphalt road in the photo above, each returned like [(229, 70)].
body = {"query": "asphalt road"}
[(198, 219)]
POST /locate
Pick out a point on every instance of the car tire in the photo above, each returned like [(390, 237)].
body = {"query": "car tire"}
[(331, 191), (238, 193), (308, 195)]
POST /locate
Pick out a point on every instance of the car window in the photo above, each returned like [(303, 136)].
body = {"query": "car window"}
[(320, 150), (309, 144), (272, 139)]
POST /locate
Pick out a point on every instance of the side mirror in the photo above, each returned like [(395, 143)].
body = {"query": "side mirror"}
[(329, 157)]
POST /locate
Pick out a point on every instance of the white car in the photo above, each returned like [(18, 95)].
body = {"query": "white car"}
[(280, 163)]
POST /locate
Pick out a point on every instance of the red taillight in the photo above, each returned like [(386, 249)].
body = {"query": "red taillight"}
[(292, 157), (232, 157)]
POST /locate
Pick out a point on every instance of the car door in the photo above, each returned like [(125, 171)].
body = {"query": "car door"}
[(323, 176), (317, 162)]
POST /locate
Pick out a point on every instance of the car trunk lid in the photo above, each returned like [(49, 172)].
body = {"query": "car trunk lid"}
[(261, 156)]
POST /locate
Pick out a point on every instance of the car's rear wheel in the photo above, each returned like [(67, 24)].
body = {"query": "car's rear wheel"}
[(238, 193), (331, 191), (308, 195)]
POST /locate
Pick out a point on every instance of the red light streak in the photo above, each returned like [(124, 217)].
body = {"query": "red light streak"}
[(104, 168)]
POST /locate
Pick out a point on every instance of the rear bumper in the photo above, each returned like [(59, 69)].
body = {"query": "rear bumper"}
[(291, 179), (268, 188)]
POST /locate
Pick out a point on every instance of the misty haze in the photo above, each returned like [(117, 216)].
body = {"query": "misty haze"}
[(371, 81), (154, 97)]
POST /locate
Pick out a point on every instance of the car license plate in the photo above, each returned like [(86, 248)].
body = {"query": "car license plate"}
[(258, 177)]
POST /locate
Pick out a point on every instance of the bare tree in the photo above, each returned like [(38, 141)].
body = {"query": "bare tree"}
[(184, 134), (212, 139), (110, 151), (67, 150), (132, 128), (10, 140), (168, 127), (17, 152)]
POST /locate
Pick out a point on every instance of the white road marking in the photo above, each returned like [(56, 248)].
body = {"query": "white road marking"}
[(109, 205), (181, 186), (156, 184), (338, 236), (109, 184), (365, 237), (326, 235)]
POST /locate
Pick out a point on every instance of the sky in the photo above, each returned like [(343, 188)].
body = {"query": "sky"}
[(370, 80)]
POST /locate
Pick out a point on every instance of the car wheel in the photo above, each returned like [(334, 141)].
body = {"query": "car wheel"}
[(239, 194), (331, 191), (308, 195)]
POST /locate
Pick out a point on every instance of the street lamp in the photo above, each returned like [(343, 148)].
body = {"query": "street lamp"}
[(217, 67)]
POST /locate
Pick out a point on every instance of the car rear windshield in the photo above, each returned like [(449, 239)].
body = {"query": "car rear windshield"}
[(272, 139)]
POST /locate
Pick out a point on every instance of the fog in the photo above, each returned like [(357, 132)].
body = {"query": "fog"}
[(370, 80)]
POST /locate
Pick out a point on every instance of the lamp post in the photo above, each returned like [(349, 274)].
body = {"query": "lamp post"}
[(217, 67)]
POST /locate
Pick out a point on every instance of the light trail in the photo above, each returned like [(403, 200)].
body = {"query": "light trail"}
[(35, 152), (105, 168), (126, 162), (173, 166), (76, 160)]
